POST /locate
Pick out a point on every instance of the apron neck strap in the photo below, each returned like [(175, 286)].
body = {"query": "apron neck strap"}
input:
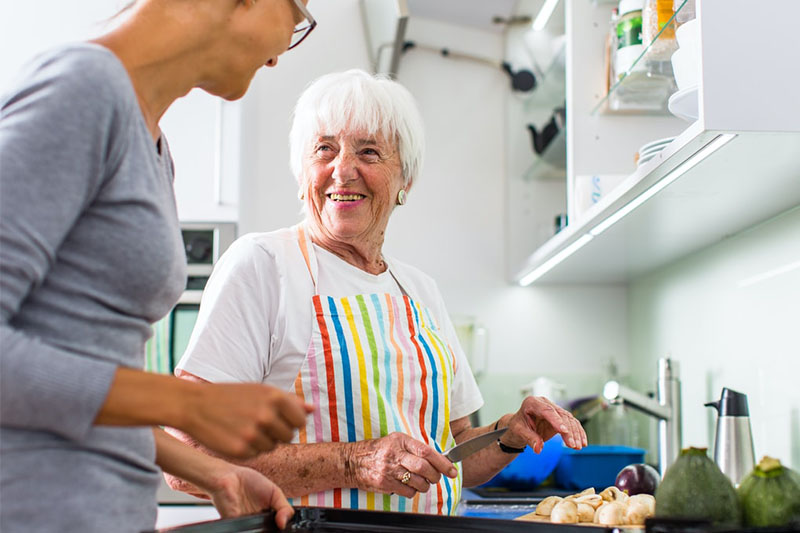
[(307, 249), (308, 253)]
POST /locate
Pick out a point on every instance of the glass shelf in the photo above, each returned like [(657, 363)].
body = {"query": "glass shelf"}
[(551, 163), (636, 79), (551, 85)]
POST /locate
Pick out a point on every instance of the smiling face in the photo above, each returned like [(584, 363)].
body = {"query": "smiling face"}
[(351, 180)]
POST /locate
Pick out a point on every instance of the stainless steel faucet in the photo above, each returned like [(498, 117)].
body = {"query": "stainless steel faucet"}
[(667, 409)]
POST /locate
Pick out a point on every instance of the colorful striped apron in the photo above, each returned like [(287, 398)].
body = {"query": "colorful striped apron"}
[(376, 364)]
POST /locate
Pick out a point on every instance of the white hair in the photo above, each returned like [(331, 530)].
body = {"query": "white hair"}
[(359, 101)]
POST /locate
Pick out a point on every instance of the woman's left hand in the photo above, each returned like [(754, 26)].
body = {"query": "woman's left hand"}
[(241, 490), (537, 420)]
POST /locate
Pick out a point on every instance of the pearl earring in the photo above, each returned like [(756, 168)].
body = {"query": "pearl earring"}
[(401, 197)]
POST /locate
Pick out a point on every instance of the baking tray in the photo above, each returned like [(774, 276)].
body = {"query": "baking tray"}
[(326, 520)]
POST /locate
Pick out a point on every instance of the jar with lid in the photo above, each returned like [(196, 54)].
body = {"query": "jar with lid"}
[(629, 36), (658, 30)]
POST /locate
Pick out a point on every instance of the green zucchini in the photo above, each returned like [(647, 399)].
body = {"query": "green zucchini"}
[(694, 487), (770, 495)]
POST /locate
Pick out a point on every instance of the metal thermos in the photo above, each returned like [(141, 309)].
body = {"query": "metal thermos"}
[(733, 445)]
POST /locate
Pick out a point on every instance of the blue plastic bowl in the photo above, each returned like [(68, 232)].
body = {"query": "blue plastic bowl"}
[(529, 469), (594, 466)]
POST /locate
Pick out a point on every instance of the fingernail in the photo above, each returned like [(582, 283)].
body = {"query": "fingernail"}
[(453, 472), (572, 442)]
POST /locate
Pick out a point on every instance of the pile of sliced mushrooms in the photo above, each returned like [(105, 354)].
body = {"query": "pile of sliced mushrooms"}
[(611, 507)]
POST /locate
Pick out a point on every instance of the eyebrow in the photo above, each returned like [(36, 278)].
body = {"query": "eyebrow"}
[(359, 142)]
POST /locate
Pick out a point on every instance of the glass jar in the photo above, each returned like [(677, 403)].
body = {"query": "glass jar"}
[(629, 35), (655, 16)]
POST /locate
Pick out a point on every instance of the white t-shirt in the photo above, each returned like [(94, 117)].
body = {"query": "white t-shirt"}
[(256, 316)]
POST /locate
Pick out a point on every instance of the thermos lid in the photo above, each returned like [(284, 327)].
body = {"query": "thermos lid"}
[(731, 403)]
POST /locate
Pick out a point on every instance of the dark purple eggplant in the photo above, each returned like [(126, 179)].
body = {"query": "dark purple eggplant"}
[(638, 478)]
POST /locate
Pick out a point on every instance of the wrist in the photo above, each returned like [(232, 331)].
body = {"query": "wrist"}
[(349, 460), (507, 448)]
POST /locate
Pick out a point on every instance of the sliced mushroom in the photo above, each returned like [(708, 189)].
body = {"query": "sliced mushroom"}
[(594, 500), (610, 514), (636, 512), (613, 494), (646, 499), (565, 512), (585, 512), (545, 507)]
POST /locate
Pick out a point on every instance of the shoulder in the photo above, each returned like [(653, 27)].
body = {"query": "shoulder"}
[(261, 249), (83, 77)]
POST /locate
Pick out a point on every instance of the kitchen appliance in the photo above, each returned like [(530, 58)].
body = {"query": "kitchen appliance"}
[(733, 444)]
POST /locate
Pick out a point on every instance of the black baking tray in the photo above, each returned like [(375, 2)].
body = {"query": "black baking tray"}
[(327, 520)]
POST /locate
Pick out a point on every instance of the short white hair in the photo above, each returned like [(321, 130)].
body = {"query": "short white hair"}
[(357, 100)]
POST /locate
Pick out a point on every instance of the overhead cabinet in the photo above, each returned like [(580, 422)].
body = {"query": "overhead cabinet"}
[(737, 165)]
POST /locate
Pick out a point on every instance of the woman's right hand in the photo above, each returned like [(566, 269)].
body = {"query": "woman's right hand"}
[(379, 465), (244, 419)]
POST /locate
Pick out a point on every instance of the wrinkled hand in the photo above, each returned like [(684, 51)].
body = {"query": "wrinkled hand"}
[(538, 420), (242, 491), (379, 465), (244, 419)]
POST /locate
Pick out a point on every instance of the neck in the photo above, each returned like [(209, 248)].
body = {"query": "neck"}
[(363, 254), (161, 52)]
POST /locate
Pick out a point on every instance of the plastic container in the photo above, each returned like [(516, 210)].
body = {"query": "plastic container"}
[(529, 469), (594, 466)]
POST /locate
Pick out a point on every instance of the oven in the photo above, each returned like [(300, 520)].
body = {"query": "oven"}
[(204, 243)]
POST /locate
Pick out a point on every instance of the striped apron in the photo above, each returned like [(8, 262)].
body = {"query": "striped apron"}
[(376, 364)]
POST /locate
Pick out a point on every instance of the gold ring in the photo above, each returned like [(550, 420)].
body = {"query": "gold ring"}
[(406, 478)]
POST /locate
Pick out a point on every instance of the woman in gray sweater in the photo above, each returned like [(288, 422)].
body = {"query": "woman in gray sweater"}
[(91, 255)]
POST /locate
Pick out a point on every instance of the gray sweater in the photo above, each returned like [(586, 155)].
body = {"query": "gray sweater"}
[(90, 256)]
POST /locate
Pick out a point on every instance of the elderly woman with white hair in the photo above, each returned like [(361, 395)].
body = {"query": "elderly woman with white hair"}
[(318, 309)]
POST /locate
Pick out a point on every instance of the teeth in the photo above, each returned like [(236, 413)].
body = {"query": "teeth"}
[(346, 197)]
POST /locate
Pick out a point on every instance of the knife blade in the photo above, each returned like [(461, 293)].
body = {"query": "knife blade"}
[(465, 449)]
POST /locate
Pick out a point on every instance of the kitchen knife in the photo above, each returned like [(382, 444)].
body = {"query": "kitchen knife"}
[(467, 448)]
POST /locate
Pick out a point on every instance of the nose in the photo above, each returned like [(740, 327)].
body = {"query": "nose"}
[(344, 167), (272, 62)]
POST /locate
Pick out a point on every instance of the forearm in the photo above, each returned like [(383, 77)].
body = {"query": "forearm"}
[(481, 466), (138, 398), (195, 469), (298, 469)]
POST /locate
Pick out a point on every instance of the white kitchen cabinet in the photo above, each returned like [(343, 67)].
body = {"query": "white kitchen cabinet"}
[(733, 168), (203, 132)]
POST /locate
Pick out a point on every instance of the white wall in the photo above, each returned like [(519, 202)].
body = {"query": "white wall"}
[(730, 316), (453, 226), (27, 28)]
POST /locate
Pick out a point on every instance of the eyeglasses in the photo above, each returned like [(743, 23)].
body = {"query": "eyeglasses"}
[(302, 30)]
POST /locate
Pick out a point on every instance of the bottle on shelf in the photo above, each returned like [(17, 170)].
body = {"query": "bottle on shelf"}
[(643, 82)]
